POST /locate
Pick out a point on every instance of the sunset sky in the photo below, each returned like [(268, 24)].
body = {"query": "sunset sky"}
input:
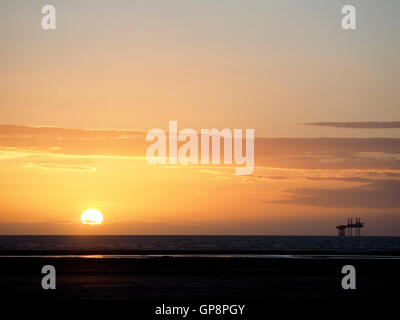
[(76, 103)]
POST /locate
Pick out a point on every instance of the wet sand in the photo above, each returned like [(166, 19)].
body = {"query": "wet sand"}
[(133, 287), (194, 279)]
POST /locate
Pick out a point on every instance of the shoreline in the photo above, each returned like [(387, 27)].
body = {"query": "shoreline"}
[(199, 252)]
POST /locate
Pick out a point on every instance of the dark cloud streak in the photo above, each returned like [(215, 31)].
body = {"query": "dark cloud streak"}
[(380, 194), (356, 125)]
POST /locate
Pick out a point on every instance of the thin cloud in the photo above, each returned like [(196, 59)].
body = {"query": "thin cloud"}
[(344, 179), (65, 133), (356, 125), (60, 166)]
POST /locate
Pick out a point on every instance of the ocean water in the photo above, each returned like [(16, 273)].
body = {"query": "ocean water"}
[(280, 244)]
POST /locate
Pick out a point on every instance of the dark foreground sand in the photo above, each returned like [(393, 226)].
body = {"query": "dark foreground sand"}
[(146, 283), (197, 278)]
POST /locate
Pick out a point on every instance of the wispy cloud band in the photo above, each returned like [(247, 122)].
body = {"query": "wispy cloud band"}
[(298, 153)]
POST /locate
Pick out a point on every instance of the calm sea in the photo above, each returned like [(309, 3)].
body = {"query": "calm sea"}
[(213, 244)]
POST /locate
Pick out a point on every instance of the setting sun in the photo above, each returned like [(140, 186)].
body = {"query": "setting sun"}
[(92, 216)]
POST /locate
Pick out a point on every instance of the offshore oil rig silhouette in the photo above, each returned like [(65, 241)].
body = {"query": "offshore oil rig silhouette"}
[(350, 226)]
